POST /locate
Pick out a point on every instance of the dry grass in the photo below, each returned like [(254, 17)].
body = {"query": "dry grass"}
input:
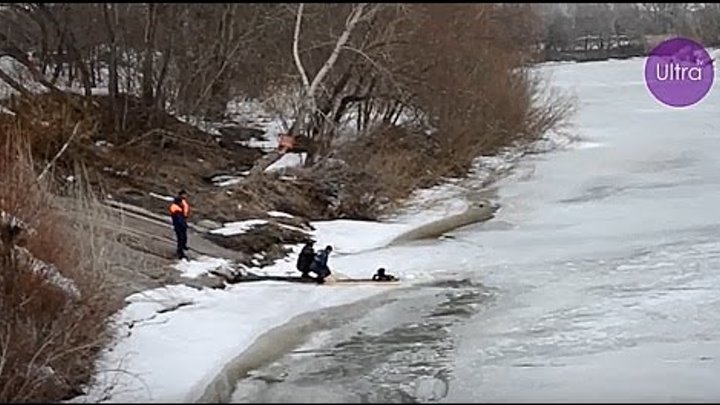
[(48, 339), (479, 93), (48, 120), (387, 165)]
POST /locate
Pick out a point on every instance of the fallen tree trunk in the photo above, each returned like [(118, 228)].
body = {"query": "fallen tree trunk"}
[(263, 163)]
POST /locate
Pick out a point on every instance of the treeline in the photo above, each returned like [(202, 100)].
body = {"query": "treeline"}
[(444, 65), (566, 22)]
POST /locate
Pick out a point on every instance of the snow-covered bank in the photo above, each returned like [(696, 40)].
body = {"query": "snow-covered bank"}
[(173, 341), (170, 355)]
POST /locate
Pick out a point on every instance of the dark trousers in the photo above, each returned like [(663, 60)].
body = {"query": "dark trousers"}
[(321, 271), (181, 236)]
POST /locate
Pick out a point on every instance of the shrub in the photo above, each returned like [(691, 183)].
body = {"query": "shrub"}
[(49, 336)]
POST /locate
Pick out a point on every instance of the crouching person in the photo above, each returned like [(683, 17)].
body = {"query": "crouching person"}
[(304, 261), (319, 265)]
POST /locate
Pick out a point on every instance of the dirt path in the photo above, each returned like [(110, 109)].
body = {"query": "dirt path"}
[(143, 246)]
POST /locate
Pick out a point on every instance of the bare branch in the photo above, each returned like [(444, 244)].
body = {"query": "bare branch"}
[(296, 53), (353, 19), (379, 67), (60, 152)]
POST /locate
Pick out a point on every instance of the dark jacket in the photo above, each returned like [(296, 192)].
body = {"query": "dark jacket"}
[(304, 261), (177, 214), (321, 260)]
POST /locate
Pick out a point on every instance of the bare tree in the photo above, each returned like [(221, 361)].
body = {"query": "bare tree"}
[(149, 54), (309, 102), (111, 22)]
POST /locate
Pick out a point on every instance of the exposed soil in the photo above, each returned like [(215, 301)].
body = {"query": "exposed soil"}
[(264, 244)]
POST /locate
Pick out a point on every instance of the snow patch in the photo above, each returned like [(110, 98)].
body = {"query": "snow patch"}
[(351, 236), (5, 110), (103, 144), (202, 265), (161, 197), (279, 214), (287, 160), (228, 180), (254, 114)]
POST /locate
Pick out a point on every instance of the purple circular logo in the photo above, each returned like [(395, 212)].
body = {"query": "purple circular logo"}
[(679, 72)]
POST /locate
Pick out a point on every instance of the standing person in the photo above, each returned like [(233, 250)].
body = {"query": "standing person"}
[(319, 265), (304, 261), (179, 211)]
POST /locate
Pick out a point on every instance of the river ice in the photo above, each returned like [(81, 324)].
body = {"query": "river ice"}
[(609, 269)]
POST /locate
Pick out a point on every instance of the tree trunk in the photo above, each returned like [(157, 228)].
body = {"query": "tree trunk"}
[(159, 93), (58, 60), (71, 74), (70, 45), (317, 121), (110, 24), (43, 49), (147, 67), (93, 69)]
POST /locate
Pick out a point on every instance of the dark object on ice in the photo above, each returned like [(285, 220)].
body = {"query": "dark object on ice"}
[(304, 261), (319, 265), (381, 276)]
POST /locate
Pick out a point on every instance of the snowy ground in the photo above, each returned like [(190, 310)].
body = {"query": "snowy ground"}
[(171, 356), (171, 342)]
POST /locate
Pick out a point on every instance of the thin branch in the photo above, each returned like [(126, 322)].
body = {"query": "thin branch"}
[(374, 63), (342, 40), (60, 152)]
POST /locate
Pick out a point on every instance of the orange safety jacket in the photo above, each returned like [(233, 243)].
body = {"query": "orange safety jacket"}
[(177, 213), (185, 208), (174, 209)]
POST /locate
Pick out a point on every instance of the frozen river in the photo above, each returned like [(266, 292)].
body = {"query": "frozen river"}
[(599, 280)]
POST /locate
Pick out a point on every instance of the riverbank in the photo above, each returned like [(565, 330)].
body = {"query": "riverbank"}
[(173, 341)]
